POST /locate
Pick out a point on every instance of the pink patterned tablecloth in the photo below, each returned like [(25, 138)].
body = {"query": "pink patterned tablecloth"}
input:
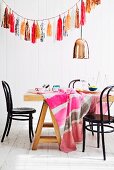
[(69, 107)]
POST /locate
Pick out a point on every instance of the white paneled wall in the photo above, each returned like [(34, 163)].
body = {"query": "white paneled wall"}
[(25, 65)]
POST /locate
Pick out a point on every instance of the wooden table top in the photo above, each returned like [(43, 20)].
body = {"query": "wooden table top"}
[(33, 97), (39, 97)]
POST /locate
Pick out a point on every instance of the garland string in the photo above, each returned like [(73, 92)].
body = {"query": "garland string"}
[(44, 19)]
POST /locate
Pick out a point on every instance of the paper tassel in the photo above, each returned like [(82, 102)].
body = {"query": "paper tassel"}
[(59, 29), (17, 27), (98, 2), (88, 6), (65, 33), (68, 21), (82, 22), (33, 36), (5, 21), (12, 23), (9, 17), (42, 32), (95, 2), (38, 31), (22, 29), (27, 32), (49, 29), (77, 24)]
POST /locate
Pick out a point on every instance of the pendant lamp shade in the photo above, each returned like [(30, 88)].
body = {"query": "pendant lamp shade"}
[(81, 49)]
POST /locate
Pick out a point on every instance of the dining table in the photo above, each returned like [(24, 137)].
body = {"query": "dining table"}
[(67, 108)]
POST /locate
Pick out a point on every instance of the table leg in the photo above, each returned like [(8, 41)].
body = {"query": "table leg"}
[(39, 125), (56, 128)]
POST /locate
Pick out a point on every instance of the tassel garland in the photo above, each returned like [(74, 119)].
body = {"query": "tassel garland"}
[(64, 24)]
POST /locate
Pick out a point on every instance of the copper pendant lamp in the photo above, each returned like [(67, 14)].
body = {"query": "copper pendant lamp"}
[(81, 48)]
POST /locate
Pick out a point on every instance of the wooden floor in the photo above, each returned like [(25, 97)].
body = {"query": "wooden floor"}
[(16, 153)]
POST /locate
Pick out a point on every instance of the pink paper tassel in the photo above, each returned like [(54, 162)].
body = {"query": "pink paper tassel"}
[(59, 29), (83, 10)]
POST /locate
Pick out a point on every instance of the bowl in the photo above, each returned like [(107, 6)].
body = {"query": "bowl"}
[(92, 88)]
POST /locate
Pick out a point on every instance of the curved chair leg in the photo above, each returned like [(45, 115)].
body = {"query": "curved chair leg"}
[(103, 142), (84, 130), (30, 127), (5, 130), (9, 127)]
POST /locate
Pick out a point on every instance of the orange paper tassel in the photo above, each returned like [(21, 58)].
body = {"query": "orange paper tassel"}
[(68, 22), (38, 31), (95, 2), (22, 29), (77, 24), (88, 6), (49, 29)]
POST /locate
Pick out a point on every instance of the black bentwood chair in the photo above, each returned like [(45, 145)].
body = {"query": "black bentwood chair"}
[(21, 114), (102, 121)]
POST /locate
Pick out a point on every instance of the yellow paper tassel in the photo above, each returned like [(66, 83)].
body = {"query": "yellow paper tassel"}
[(49, 29), (22, 29), (68, 22), (38, 31)]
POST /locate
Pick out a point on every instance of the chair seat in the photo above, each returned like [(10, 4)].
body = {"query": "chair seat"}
[(23, 110), (97, 119)]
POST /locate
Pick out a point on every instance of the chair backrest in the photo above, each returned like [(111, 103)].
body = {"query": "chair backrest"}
[(105, 94), (8, 96), (72, 83)]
